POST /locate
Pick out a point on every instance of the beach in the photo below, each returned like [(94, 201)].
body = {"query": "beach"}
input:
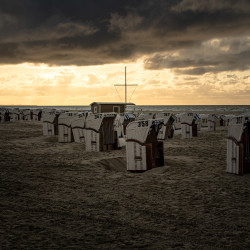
[(57, 196)]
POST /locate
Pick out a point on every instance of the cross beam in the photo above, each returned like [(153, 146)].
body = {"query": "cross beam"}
[(125, 85)]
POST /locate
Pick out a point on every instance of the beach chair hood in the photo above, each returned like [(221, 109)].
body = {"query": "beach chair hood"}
[(94, 121), (237, 125), (139, 130)]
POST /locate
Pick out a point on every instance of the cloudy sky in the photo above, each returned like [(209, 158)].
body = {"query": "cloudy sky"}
[(58, 52)]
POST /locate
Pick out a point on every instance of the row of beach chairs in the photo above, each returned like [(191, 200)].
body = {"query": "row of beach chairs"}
[(142, 133), (17, 114)]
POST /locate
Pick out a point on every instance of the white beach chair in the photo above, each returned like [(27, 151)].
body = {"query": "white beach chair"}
[(188, 125), (5, 115), (207, 122), (14, 114), (27, 116), (167, 130), (143, 151), (37, 114), (225, 119), (78, 125), (238, 145), (65, 133), (50, 123), (177, 124), (99, 132)]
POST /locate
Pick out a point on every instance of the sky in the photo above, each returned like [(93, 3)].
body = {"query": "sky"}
[(178, 52)]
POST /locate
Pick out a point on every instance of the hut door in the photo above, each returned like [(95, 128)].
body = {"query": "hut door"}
[(246, 154)]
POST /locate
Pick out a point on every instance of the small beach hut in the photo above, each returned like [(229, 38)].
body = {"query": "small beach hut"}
[(50, 122), (167, 130), (65, 133), (99, 132), (188, 125), (37, 114), (238, 145), (108, 107), (143, 151), (78, 125), (207, 122)]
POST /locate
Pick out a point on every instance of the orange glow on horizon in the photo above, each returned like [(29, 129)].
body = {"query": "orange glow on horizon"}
[(33, 84)]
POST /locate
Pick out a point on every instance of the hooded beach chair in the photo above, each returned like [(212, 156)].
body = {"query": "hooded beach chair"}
[(167, 130), (100, 134), (189, 125), (50, 122), (27, 114), (238, 145), (225, 119), (78, 125), (177, 124), (143, 150), (37, 114), (207, 122), (65, 133)]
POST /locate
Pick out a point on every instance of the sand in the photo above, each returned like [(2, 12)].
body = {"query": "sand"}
[(57, 196)]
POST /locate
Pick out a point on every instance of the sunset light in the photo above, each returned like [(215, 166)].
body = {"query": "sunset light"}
[(178, 52)]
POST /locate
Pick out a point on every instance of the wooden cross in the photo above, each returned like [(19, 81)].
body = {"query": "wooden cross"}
[(125, 85)]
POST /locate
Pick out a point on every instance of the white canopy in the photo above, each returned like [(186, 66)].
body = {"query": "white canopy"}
[(187, 118), (66, 118), (139, 130), (94, 121), (78, 121), (237, 125)]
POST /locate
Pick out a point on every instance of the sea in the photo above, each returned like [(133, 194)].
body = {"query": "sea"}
[(159, 108)]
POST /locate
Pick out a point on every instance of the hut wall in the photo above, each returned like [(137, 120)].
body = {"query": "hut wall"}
[(106, 108), (95, 107)]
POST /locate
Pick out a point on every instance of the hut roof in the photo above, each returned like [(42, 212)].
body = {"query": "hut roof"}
[(112, 103)]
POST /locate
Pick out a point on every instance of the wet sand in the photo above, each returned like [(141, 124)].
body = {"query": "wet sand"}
[(57, 196)]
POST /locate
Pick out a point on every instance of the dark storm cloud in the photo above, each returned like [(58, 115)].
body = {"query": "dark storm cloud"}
[(212, 56), (98, 32)]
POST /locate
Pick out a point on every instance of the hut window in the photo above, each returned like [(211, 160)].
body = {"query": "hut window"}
[(116, 109), (95, 109)]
